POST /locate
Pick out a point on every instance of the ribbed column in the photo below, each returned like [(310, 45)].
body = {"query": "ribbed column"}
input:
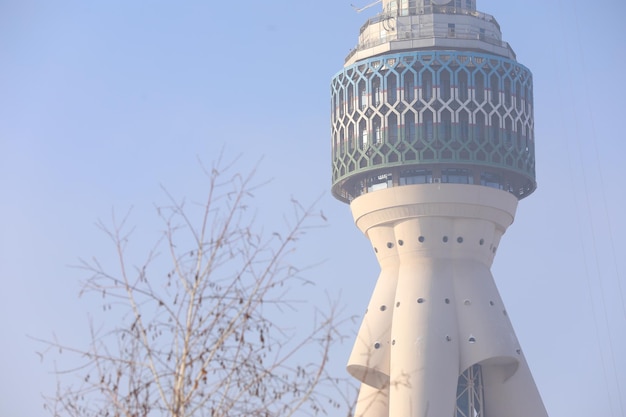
[(435, 310), (369, 361)]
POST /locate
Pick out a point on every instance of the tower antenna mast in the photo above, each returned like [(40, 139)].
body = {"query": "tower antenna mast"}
[(359, 10)]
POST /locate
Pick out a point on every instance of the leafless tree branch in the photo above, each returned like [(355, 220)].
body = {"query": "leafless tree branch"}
[(196, 330)]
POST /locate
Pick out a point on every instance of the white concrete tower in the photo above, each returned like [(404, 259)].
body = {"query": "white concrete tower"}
[(432, 147)]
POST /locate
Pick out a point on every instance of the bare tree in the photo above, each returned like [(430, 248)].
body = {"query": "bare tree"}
[(194, 326)]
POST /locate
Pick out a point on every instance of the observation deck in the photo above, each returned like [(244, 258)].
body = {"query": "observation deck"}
[(432, 94)]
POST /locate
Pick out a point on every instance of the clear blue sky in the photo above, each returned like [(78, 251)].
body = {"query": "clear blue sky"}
[(101, 102)]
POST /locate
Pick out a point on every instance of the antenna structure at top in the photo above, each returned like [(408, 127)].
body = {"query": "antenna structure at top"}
[(359, 10)]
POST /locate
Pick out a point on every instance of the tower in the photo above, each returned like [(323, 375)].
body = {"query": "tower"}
[(433, 147)]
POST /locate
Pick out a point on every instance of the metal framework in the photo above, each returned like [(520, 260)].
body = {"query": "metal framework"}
[(469, 393)]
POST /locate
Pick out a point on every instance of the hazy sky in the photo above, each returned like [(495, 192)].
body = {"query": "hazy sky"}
[(102, 102)]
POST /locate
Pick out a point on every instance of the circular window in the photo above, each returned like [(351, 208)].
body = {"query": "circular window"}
[(445, 239), (389, 245), (383, 308), (459, 239), (420, 300), (400, 242), (377, 345), (421, 239)]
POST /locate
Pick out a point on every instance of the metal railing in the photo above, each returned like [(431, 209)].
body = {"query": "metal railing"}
[(429, 31), (414, 11)]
